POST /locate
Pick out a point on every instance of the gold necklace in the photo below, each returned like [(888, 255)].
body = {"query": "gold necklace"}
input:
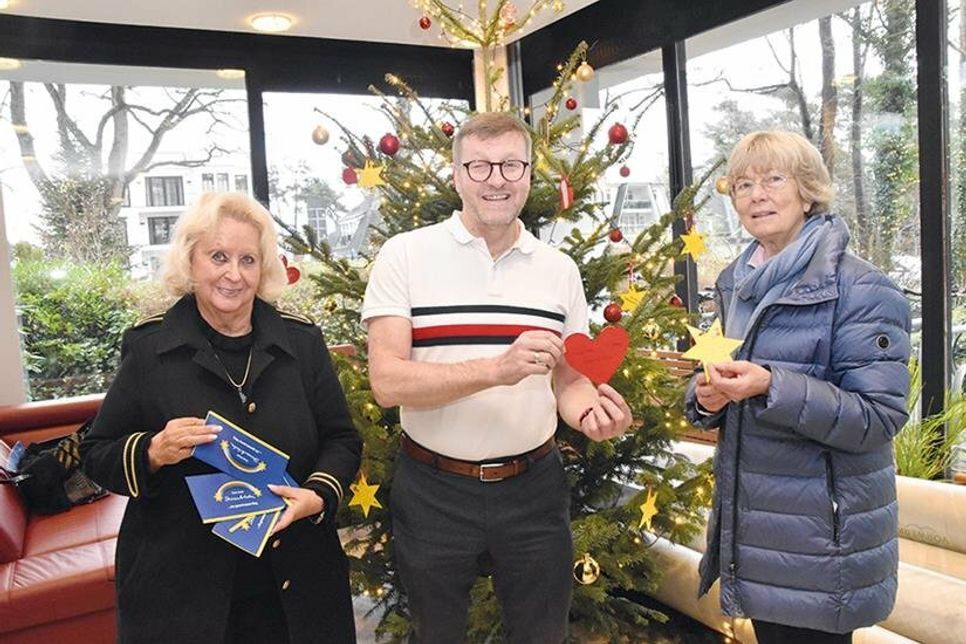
[(238, 385)]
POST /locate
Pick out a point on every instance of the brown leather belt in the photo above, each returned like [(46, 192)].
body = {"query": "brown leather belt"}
[(486, 472)]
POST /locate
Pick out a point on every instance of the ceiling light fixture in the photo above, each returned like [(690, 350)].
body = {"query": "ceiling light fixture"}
[(230, 74), (7, 64), (271, 22)]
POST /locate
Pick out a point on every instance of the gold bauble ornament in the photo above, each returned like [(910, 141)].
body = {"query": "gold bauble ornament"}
[(722, 186), (586, 569), (585, 72), (320, 135), (330, 305)]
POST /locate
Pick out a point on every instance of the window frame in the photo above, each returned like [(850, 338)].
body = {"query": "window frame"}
[(167, 182), (168, 221)]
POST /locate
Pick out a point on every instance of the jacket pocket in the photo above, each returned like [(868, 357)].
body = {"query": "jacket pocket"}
[(833, 498)]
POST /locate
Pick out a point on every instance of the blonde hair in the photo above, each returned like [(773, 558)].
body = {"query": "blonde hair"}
[(489, 125), (200, 219), (785, 152)]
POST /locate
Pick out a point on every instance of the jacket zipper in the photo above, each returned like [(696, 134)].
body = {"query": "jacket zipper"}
[(733, 567), (830, 484)]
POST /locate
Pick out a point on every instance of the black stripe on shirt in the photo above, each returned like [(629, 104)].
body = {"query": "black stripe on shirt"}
[(485, 308)]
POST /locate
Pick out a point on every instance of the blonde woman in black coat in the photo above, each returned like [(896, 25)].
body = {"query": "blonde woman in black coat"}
[(223, 347)]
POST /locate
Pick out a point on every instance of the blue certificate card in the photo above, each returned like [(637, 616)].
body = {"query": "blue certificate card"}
[(240, 454), (250, 533), (219, 497)]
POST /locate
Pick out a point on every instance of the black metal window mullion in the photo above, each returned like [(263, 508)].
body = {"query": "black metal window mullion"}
[(934, 206), (674, 61)]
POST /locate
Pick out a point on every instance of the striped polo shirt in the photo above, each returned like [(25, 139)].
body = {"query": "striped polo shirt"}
[(463, 305)]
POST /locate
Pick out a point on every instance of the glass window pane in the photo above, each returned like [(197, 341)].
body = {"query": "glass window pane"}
[(307, 185), (832, 79), (637, 190), (165, 191), (241, 183), (305, 178), (90, 193), (956, 68), (160, 230), (633, 193)]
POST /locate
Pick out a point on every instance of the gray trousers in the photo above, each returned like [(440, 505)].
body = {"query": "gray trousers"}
[(443, 523)]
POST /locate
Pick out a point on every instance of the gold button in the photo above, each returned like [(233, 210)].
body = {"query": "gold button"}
[(276, 543), (251, 408), (286, 584)]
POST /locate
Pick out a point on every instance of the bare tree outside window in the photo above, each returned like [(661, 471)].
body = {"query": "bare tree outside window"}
[(845, 81), (97, 164), (82, 182)]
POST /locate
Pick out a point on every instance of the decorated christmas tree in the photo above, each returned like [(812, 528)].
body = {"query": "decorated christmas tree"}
[(625, 492)]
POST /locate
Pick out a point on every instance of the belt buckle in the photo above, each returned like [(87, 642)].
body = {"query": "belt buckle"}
[(486, 466)]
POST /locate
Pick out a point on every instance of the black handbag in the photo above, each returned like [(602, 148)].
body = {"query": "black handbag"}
[(50, 478)]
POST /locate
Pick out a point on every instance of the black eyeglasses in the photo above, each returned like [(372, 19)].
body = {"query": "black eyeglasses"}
[(510, 170)]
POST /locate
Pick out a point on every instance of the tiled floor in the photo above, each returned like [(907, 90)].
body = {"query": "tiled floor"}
[(679, 628)]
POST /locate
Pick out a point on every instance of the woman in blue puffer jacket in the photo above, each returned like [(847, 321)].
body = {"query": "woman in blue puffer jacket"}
[(802, 532)]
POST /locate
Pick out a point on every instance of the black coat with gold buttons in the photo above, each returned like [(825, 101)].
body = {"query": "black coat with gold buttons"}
[(174, 578)]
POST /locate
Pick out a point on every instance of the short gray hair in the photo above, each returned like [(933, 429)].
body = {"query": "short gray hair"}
[(788, 152), (489, 125)]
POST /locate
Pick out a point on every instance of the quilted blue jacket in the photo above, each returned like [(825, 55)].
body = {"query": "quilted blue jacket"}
[(803, 525)]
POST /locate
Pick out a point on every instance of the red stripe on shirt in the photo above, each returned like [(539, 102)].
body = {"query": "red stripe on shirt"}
[(459, 330)]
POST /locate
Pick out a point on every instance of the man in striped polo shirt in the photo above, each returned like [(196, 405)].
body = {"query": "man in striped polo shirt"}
[(466, 321)]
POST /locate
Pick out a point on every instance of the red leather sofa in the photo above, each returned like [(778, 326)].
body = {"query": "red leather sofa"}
[(56, 572)]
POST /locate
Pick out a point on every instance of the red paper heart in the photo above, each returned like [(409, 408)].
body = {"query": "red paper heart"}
[(599, 358), (293, 274)]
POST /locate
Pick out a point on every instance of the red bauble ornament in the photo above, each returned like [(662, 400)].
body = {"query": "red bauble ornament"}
[(389, 144), (617, 134), (613, 313), (616, 235), (624, 171), (293, 274), (675, 300), (571, 103), (425, 23), (447, 128), (349, 176)]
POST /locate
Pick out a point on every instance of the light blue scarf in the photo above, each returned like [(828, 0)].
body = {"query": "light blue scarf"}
[(757, 287)]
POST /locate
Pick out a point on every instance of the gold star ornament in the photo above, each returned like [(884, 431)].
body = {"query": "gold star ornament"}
[(710, 346), (648, 510), (630, 299), (364, 495), (693, 243), (370, 176)]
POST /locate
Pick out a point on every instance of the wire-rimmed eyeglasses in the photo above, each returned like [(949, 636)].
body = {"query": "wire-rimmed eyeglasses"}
[(510, 170), (771, 182)]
